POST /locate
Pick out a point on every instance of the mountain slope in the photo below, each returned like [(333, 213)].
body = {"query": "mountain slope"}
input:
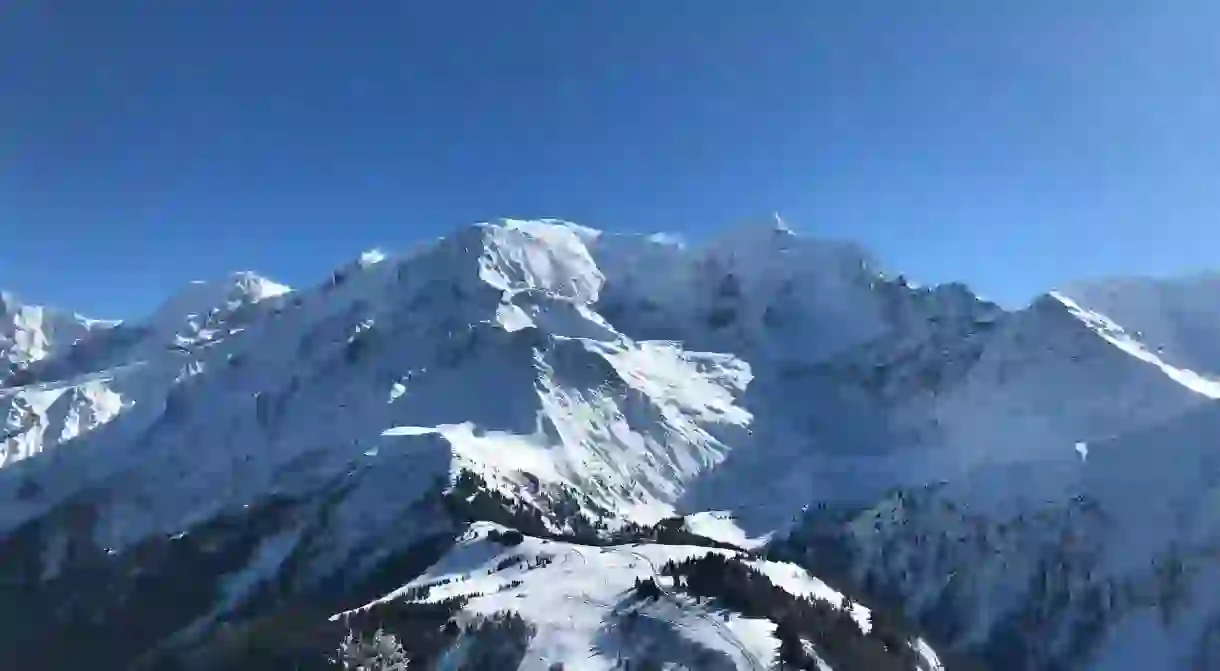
[(108, 367), (30, 333), (250, 456), (285, 418), (595, 607), (1177, 318), (1101, 562)]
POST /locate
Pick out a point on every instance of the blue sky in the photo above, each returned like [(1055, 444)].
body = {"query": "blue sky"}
[(1011, 145)]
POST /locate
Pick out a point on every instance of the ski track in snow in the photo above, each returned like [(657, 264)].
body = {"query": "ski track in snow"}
[(726, 633)]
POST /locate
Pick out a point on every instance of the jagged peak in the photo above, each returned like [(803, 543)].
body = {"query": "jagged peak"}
[(549, 405), (1053, 314), (548, 255), (765, 241), (199, 299), (200, 296), (29, 333), (958, 299), (247, 284), (574, 262)]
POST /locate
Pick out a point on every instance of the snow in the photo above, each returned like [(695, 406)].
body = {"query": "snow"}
[(410, 431), (819, 663), (30, 333), (738, 383), (98, 378), (931, 662), (585, 590), (1179, 318), (625, 422), (396, 391), (185, 315), (719, 525), (50, 414), (535, 255), (797, 581), (1115, 334), (500, 451), (1067, 516), (371, 257)]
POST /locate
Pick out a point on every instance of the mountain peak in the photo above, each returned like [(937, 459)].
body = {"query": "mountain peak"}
[(547, 255), (248, 285), (590, 389), (188, 313), (29, 333), (201, 296)]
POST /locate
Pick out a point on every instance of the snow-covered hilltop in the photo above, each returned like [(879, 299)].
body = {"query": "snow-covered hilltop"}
[(639, 603), (761, 409)]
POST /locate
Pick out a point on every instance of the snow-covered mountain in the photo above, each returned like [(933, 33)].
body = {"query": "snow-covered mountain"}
[(76, 374), (250, 461), (632, 603), (1178, 318), (30, 333)]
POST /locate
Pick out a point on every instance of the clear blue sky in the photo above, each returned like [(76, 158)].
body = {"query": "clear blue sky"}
[(1010, 144)]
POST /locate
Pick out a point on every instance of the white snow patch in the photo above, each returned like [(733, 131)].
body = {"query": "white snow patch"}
[(1082, 448), (371, 257), (812, 653), (719, 525), (930, 662), (410, 431), (797, 581), (1115, 335), (396, 391)]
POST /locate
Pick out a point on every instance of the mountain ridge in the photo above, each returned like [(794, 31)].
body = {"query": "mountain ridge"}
[(331, 443)]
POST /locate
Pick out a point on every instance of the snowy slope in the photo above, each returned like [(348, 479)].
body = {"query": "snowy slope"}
[(575, 596), (30, 333), (586, 612), (43, 416), (296, 404), (952, 386), (763, 389), (1177, 318), (108, 367), (1055, 563)]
